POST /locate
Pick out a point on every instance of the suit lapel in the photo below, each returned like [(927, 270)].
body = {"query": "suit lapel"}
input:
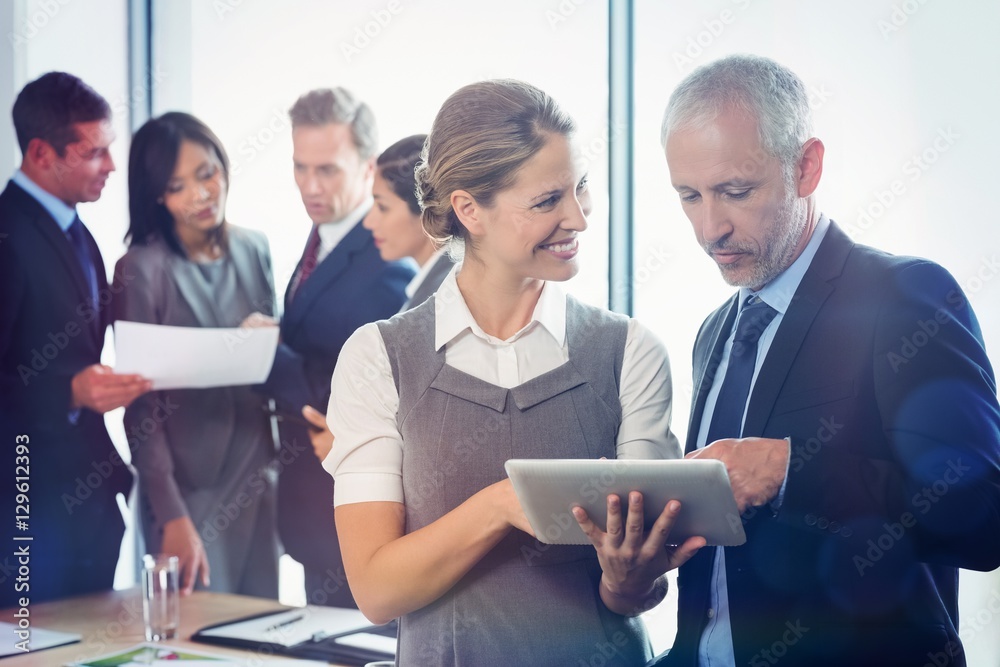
[(63, 249), (816, 286), (327, 272), (715, 333), (56, 238), (249, 272)]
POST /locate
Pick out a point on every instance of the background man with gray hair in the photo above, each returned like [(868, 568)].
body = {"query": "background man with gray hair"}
[(847, 391), (340, 283)]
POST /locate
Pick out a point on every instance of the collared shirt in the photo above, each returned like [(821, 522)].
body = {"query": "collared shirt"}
[(423, 271), (57, 208), (332, 233), (715, 648), (368, 457)]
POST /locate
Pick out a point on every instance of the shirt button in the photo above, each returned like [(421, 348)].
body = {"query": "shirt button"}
[(846, 531), (834, 527), (711, 613), (823, 523), (810, 519)]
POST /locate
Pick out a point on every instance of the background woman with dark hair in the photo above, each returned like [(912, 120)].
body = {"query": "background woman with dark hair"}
[(203, 455), (395, 219)]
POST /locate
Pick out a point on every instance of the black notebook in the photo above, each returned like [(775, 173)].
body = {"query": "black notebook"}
[(317, 633)]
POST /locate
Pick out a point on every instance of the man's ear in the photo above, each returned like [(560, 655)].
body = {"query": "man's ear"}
[(810, 167), (468, 211), (40, 153), (369, 168)]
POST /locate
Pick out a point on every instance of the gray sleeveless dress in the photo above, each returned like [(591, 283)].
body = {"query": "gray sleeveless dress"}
[(524, 603)]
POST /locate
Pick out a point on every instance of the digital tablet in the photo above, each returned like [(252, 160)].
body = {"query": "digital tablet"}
[(548, 489)]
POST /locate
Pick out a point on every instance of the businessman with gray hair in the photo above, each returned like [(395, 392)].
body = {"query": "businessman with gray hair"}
[(847, 391)]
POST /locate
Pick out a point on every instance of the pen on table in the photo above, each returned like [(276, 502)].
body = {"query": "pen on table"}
[(293, 619)]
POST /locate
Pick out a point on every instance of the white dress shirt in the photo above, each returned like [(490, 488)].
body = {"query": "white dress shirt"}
[(331, 233), (367, 456)]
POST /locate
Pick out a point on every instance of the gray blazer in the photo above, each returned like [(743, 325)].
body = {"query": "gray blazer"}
[(196, 450), (433, 280)]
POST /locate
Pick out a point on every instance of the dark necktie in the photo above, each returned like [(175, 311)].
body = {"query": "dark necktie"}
[(309, 261), (78, 239), (727, 419)]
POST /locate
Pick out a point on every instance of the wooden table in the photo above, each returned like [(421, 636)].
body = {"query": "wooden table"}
[(112, 621)]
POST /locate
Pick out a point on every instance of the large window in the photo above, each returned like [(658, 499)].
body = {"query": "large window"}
[(240, 66)]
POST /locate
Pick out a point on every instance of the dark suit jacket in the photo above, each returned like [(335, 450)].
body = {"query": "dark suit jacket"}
[(350, 287), (48, 333), (879, 375)]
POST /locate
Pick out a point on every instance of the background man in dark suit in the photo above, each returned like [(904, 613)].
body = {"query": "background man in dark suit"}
[(846, 390), (53, 315), (339, 284)]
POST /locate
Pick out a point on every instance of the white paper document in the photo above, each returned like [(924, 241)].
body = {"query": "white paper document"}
[(17, 640), (294, 626), (194, 357)]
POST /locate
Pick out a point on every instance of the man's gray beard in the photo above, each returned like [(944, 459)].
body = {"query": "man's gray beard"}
[(779, 245)]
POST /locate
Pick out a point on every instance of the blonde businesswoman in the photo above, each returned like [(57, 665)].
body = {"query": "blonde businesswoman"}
[(500, 363)]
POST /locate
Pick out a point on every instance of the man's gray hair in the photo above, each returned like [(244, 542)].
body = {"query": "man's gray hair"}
[(758, 87), (338, 105)]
